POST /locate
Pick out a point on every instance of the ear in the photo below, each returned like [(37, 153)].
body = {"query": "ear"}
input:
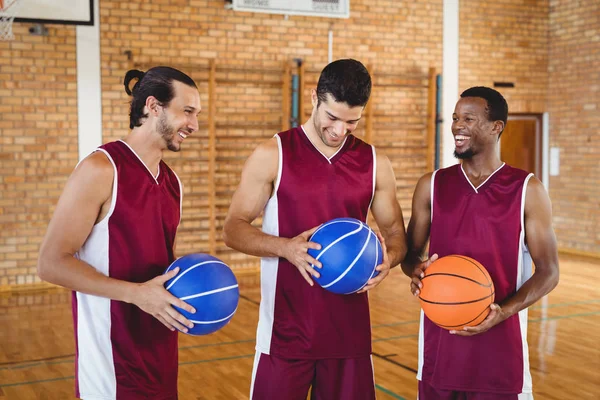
[(313, 97), (152, 105), (497, 128)]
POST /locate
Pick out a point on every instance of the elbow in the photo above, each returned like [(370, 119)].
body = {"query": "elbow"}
[(43, 269), (555, 279), (226, 234), (46, 268), (225, 238)]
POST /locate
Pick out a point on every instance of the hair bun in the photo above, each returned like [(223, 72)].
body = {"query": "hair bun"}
[(129, 76)]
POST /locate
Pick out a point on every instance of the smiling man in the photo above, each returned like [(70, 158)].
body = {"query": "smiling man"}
[(302, 178), (500, 216), (111, 238)]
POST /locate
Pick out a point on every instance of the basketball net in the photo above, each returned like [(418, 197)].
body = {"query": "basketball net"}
[(8, 11)]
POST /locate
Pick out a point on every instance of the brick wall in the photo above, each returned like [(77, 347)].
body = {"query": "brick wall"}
[(574, 107), (39, 149), (506, 41), (548, 48), (38, 141), (551, 51)]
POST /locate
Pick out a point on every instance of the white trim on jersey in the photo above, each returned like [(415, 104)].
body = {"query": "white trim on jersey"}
[(431, 193), (254, 370), (421, 350), (421, 345), (524, 272), (180, 197), (143, 163), (269, 267), (327, 158), (279, 166), (95, 364), (374, 180), (482, 183), (373, 371)]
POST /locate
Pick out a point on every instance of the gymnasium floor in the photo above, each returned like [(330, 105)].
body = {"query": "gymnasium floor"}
[(37, 349)]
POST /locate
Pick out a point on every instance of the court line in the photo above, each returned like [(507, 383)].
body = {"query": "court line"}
[(216, 359), (394, 338), (389, 392), (36, 359), (34, 382), (249, 300), (395, 324), (565, 304), (216, 344), (564, 316), (406, 367), (43, 361), (377, 386), (10, 363)]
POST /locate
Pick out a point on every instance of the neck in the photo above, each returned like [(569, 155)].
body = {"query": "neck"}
[(483, 164), (147, 146)]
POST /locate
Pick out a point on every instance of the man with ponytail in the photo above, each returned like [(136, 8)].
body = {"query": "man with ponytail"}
[(112, 236)]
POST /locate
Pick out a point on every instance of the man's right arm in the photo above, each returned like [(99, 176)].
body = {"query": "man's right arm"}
[(249, 200), (84, 202), (418, 233)]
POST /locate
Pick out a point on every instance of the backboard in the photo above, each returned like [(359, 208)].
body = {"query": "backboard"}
[(67, 12)]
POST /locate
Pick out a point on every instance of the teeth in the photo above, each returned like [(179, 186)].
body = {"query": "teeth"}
[(460, 137), (183, 135)]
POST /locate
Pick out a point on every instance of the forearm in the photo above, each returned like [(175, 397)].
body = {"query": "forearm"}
[(74, 274), (396, 248), (243, 237), (539, 285)]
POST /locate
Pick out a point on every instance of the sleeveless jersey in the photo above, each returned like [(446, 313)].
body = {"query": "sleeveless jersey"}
[(485, 223), (298, 321), (123, 352)]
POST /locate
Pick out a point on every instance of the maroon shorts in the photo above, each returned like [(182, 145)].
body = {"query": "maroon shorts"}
[(427, 392), (340, 379)]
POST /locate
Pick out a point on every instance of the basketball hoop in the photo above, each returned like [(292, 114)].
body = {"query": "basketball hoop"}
[(8, 11)]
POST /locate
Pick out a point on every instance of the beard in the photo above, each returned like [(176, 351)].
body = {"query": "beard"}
[(168, 132), (464, 155)]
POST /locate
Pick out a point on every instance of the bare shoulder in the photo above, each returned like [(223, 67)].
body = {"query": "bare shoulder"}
[(422, 193), (96, 165), (384, 166), (425, 181), (95, 174), (536, 197), (535, 187), (263, 163), (269, 149)]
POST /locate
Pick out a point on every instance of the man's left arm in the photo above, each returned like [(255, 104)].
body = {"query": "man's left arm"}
[(388, 216), (541, 241)]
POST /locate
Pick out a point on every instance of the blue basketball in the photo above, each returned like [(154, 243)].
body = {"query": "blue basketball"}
[(207, 284), (349, 253)]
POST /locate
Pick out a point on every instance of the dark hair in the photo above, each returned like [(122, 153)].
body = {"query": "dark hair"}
[(157, 82), (497, 108), (348, 81)]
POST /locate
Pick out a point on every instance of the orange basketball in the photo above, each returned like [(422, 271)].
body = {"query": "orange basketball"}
[(457, 292)]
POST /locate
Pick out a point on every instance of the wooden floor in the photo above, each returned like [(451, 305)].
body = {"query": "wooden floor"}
[(37, 349)]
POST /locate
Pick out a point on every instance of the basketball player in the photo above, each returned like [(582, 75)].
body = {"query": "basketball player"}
[(111, 238), (302, 178), (500, 216)]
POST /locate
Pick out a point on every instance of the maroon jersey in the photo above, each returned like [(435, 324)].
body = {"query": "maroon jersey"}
[(297, 320), (123, 352), (487, 224)]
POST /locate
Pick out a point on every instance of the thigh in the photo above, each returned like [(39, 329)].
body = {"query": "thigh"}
[(344, 379), (276, 378), (428, 392)]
